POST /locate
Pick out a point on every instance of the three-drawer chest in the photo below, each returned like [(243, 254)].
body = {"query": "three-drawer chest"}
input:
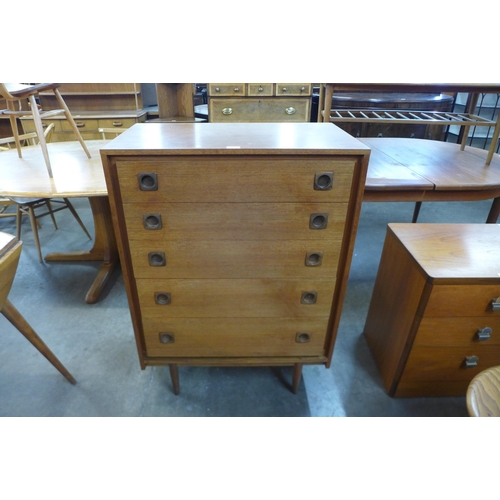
[(235, 239), (434, 318)]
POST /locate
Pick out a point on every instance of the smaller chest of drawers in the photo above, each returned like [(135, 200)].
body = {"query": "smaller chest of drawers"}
[(434, 321), (259, 102)]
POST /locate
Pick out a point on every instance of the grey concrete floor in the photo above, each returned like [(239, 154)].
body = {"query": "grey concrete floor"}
[(96, 342)]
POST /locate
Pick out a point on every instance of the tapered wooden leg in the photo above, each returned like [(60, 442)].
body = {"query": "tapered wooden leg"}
[(76, 216), (297, 375), (494, 212), (15, 131), (39, 132), (174, 375), (416, 211), (34, 228), (13, 315)]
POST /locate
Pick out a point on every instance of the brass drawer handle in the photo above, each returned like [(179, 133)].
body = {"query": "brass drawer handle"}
[(236, 89), (261, 89), (217, 89), (167, 338), (163, 298), (323, 181), (471, 361), (157, 259), (227, 111), (309, 297), (290, 110), (302, 337), (152, 221), (314, 258), (284, 89), (148, 181), (80, 124), (484, 333), (318, 221), (117, 124), (495, 304)]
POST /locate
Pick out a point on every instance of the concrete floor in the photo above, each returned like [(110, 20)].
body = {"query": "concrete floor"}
[(97, 345)]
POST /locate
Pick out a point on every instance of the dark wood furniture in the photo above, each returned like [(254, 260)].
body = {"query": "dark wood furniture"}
[(235, 240), (434, 317)]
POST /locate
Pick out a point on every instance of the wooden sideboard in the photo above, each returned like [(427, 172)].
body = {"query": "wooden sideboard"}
[(259, 102), (235, 239), (434, 318), (93, 106)]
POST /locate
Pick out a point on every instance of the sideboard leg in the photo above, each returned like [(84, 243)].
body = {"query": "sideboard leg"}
[(297, 375), (416, 211), (174, 375)]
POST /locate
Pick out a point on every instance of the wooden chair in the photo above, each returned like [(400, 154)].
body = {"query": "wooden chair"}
[(16, 92), (110, 132), (10, 251), (483, 394)]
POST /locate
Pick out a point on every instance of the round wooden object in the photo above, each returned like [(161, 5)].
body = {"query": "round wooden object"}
[(483, 394)]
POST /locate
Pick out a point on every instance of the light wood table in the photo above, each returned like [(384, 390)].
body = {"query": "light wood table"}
[(74, 176)]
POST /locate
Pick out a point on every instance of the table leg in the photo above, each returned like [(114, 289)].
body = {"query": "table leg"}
[(104, 248)]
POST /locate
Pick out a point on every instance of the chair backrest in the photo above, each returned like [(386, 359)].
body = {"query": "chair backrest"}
[(30, 138), (10, 251), (111, 131)]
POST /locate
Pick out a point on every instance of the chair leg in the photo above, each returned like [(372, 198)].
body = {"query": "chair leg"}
[(174, 375), (15, 131), (297, 375), (31, 213), (19, 221), (76, 216), (13, 315), (39, 131), (494, 212), (51, 213), (416, 211), (62, 104)]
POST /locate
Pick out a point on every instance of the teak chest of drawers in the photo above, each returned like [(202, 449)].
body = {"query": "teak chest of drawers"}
[(235, 239), (259, 102), (434, 318)]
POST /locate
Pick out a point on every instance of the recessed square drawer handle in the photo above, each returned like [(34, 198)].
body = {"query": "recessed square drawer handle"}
[(157, 259), (314, 258), (167, 338), (163, 298), (484, 333), (323, 181), (148, 181), (309, 297), (495, 303), (471, 361), (302, 337), (152, 221), (318, 221)]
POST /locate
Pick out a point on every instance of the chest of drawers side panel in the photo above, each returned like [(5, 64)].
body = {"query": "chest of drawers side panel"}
[(391, 318)]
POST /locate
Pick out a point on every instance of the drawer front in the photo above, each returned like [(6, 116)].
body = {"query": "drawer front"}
[(293, 89), (226, 89), (236, 258), (116, 122), (229, 298), (254, 110), (458, 331), (234, 221), (83, 125), (260, 89), (448, 363), (238, 180), (462, 300), (29, 125), (193, 337)]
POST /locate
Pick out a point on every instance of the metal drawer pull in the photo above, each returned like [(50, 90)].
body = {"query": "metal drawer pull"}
[(318, 221), (284, 89), (484, 333), (236, 89), (217, 89), (157, 259), (314, 258), (309, 297), (148, 181), (471, 361), (80, 124), (323, 181), (261, 89), (302, 89), (302, 337), (152, 221), (227, 111), (495, 303), (290, 110), (117, 124), (163, 298), (167, 338)]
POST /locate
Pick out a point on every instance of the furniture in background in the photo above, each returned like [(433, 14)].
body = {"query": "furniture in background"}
[(259, 102), (425, 170), (10, 252), (94, 106), (14, 93), (483, 394), (434, 318), (235, 240), (75, 176), (175, 102)]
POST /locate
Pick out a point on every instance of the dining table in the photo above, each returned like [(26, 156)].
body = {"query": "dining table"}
[(74, 175)]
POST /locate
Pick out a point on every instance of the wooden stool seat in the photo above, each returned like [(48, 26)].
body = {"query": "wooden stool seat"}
[(483, 394)]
